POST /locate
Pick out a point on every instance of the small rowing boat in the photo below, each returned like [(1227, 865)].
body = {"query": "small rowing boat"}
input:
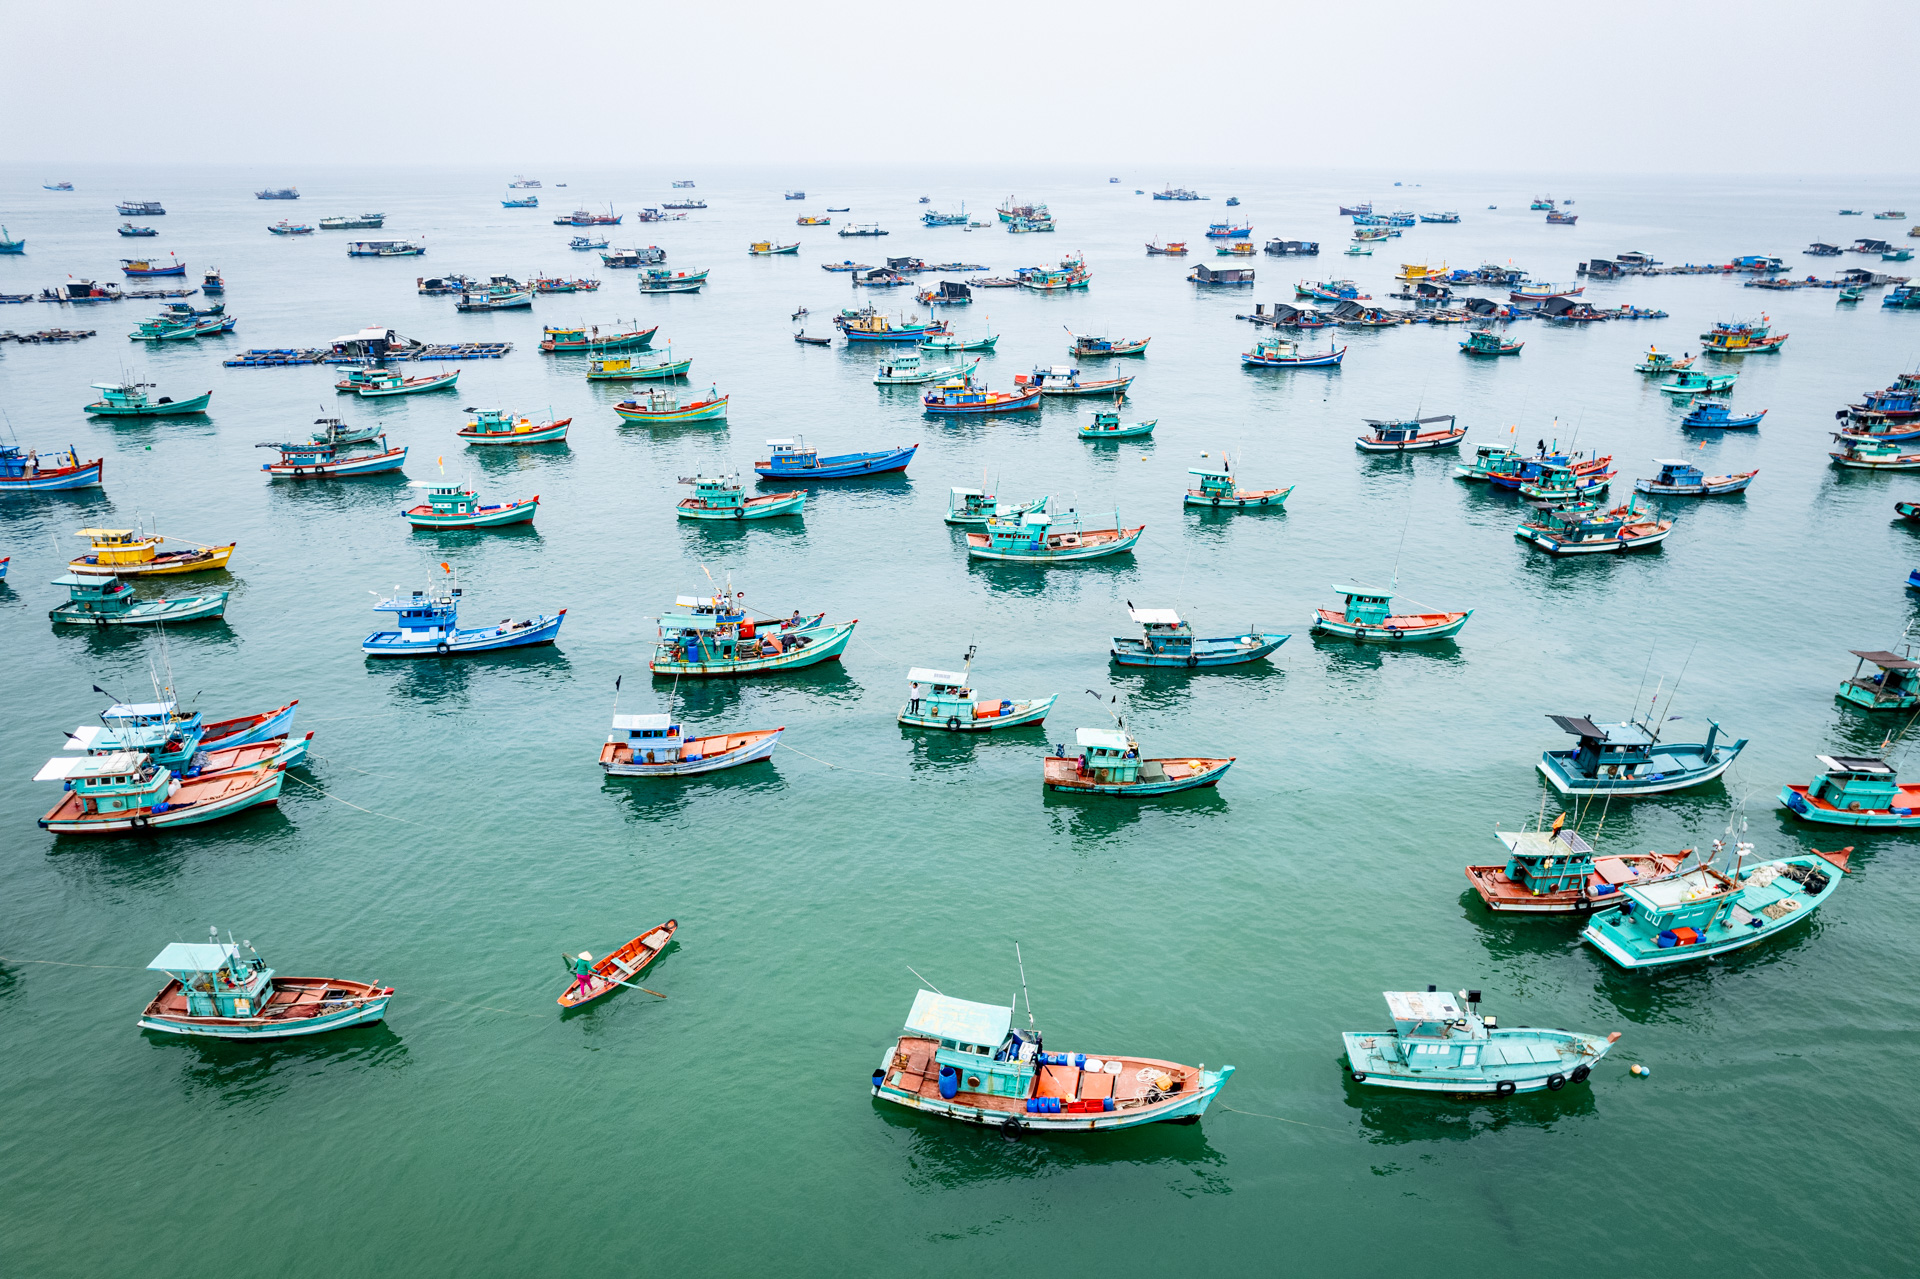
[(623, 965)]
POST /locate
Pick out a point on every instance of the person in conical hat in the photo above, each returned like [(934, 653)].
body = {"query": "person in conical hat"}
[(583, 974)]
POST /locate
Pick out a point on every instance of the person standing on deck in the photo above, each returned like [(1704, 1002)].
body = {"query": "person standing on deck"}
[(583, 975)]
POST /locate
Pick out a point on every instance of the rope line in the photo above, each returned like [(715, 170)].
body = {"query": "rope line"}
[(310, 786), (840, 767), (1303, 1123), (61, 963)]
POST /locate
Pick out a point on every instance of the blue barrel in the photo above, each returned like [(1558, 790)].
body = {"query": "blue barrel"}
[(949, 1082), (878, 1075)]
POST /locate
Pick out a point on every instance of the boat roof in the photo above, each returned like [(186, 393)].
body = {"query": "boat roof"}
[(1855, 764), (433, 484), (940, 1016), (83, 737), (1886, 661), (1154, 616), (103, 532), (642, 721), (966, 493), (690, 621), (1422, 1005), (1545, 843), (697, 601), (1106, 738), (1418, 421), (786, 444), (1362, 590), (926, 675), (193, 957), (65, 767), (1673, 461), (1204, 473), (137, 710), (1579, 726), (102, 583)]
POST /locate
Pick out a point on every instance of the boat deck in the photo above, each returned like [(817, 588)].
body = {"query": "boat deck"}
[(1502, 893), (292, 997), (913, 1070), (1065, 771)]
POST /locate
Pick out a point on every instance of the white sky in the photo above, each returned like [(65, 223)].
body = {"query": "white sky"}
[(1765, 86)]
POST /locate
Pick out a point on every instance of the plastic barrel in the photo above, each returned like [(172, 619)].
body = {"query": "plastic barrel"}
[(949, 1082)]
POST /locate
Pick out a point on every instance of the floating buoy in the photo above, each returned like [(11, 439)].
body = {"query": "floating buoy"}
[(1638, 1069)]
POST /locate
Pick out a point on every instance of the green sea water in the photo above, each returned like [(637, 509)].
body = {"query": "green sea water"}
[(453, 837)]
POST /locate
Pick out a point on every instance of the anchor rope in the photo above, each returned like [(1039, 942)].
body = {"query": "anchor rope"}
[(844, 768), (1282, 1119), (61, 963), (310, 786)]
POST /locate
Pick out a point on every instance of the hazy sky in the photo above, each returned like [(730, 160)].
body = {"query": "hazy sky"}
[(1763, 86)]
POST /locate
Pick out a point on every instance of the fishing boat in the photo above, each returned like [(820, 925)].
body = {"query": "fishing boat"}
[(1232, 275), (963, 395), (948, 701), (284, 227), (500, 426), (1359, 210), (1330, 290), (723, 497), (587, 242), (1741, 339), (654, 746), (665, 280), (1849, 295), (1868, 454), (8, 245), (1088, 347), (624, 369), (767, 248), (1891, 215), (318, 460), (385, 249), (1560, 218), (1487, 342), (1631, 759), (1714, 415), (1687, 383), (215, 992), (626, 963), (1683, 479), (109, 601), (1526, 469), (456, 506), (1167, 640), (496, 298), (813, 221), (1437, 1046), (1064, 379), (1106, 425), (1411, 435), (730, 644), (1215, 489), (141, 268), (374, 383), (1855, 790), (858, 229), (1542, 292), (1489, 460), (1701, 912), (365, 222), (56, 186), (1038, 537), (658, 406), (557, 284), (562, 340), (133, 232), (625, 259), (1109, 763), (1584, 529), (521, 202), (1557, 484), (429, 626), (1555, 872), (25, 471), (1228, 231), (165, 328), (976, 506), (1276, 352), (1171, 249), (907, 370), (795, 459), (139, 209), (587, 217), (948, 342), (959, 1060), (1367, 616), (126, 792), (1895, 688), (127, 553)]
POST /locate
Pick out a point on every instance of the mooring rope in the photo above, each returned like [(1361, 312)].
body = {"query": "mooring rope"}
[(844, 768), (1282, 1119), (310, 786)]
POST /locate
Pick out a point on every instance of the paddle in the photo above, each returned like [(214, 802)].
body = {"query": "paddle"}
[(629, 985)]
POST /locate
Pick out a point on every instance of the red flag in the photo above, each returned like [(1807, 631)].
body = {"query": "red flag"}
[(445, 567)]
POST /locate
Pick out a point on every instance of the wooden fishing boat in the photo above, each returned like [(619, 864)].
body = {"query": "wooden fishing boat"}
[(1688, 383), (385, 249), (1684, 479), (947, 342), (1367, 616), (622, 259), (624, 964), (25, 471), (1167, 640), (1410, 436), (625, 370), (521, 202), (793, 459), (946, 699), (365, 222), (962, 395), (1741, 339), (319, 461), (8, 245), (960, 1060), (125, 792), (430, 627), (813, 222), (1064, 379), (1216, 490), (284, 227), (374, 383), (1436, 1046), (719, 645), (165, 328), (1487, 342), (215, 992), (1276, 352), (1855, 790), (723, 497), (652, 746), (666, 280), (1086, 346), (976, 506), (804, 340), (142, 268), (558, 340), (1171, 249), (1714, 415), (658, 406), (1872, 454), (1489, 460), (140, 232), (126, 553), (1033, 538), (1557, 483), (907, 370), (500, 426), (1659, 362), (109, 601), (1106, 425), (1895, 688), (337, 433), (1584, 529), (456, 506), (1109, 763), (871, 326), (1908, 511), (1632, 759), (1555, 872), (767, 248), (560, 284), (496, 298)]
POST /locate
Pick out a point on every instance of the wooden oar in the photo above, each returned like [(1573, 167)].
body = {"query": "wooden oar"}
[(629, 985)]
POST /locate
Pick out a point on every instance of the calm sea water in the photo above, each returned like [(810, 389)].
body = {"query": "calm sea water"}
[(453, 836)]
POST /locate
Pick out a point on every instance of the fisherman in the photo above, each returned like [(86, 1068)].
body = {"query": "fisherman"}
[(583, 975)]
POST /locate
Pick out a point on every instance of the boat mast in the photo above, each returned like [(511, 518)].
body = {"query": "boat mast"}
[(1023, 984)]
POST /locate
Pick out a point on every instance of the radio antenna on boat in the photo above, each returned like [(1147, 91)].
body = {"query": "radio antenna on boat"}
[(916, 972), (1023, 983)]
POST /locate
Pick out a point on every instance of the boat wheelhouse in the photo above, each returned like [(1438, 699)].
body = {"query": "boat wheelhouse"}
[(1109, 763), (1489, 460), (1632, 759), (1556, 872), (1039, 537), (1167, 640), (1895, 688), (655, 746), (1701, 912), (1437, 1046), (1411, 435), (977, 506), (214, 991), (1855, 790), (1367, 616)]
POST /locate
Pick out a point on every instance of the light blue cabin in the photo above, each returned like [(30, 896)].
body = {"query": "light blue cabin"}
[(215, 979)]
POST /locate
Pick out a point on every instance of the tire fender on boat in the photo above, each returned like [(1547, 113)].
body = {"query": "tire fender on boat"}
[(441, 648), (1556, 1082), (1505, 1088), (953, 722), (1580, 1072), (1359, 1076), (1193, 659)]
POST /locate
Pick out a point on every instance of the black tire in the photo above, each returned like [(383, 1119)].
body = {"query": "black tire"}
[(441, 648), (1359, 1077), (1216, 501), (1263, 501), (1580, 1072), (953, 722), (1505, 1088), (1192, 660), (1556, 1082)]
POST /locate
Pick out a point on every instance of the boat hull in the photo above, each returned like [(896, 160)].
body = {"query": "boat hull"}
[(1557, 768), (201, 561), (78, 477), (1022, 714), (827, 643), (364, 1004), (486, 639), (741, 748), (411, 388), (1010, 1114), (1252, 501), (484, 517), (362, 464), (1062, 555), (198, 404), (1574, 1058), (841, 468), (753, 508), (1385, 634), (1794, 800), (147, 613), (551, 433)]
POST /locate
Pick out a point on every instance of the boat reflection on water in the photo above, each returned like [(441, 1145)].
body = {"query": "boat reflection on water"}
[(1089, 819), (442, 683), (1393, 1117), (657, 799), (258, 1073), (702, 537), (1059, 581), (941, 1154), (203, 637), (1168, 687), (1009, 753)]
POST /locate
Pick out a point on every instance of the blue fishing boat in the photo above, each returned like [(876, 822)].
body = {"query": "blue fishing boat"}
[(715, 638), (11, 246), (179, 744), (214, 991), (1683, 479), (961, 1060), (1895, 688), (25, 471), (319, 460), (1714, 415), (1701, 912), (1038, 537), (1856, 790), (524, 202), (1435, 1045), (1167, 640), (946, 699), (429, 622), (1367, 616), (1631, 759), (1109, 763), (795, 459), (1410, 436)]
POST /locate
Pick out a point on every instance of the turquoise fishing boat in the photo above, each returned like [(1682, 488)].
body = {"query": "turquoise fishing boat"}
[(1687, 383), (11, 246), (1367, 616), (977, 506), (1410, 435), (1106, 425), (961, 1060), (1216, 489), (1038, 537), (1558, 483), (667, 280), (457, 506), (1167, 640), (129, 399), (1555, 872), (1487, 342), (501, 427), (216, 992), (179, 746), (1868, 454), (907, 370), (375, 383), (947, 342), (659, 406), (1699, 913), (727, 644), (1109, 763), (1631, 759), (1856, 790), (561, 340), (1489, 460), (1582, 528), (165, 328), (946, 699), (623, 369), (1437, 1046), (125, 792), (723, 497), (1895, 688), (109, 601)]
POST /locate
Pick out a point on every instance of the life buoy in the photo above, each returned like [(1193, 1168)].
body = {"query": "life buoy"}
[(1556, 1082), (1580, 1072), (1505, 1088)]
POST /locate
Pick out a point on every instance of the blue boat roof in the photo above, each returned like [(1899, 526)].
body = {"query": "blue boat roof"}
[(1103, 739), (193, 957), (690, 621), (961, 1020), (138, 710)]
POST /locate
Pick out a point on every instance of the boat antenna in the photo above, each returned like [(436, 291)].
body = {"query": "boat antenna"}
[(916, 972), (1023, 983), (968, 668)]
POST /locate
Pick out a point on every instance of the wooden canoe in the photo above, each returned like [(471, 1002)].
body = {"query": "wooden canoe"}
[(623, 964)]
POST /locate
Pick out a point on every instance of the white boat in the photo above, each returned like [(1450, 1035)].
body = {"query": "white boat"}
[(655, 746)]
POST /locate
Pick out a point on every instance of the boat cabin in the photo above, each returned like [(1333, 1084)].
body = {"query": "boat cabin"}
[(714, 492), (1432, 1031), (1212, 484), (1410, 431), (1617, 750), (976, 1042), (946, 694), (970, 504), (1896, 687), (215, 979), (1678, 474), (1029, 532), (653, 739), (792, 455), (124, 781), (1204, 274), (423, 617), (1163, 631), (103, 597), (119, 546), (1550, 861), (1855, 783), (448, 499), (1108, 756), (1681, 908), (1365, 606)]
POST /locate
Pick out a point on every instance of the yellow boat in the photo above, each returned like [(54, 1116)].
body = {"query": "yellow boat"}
[(766, 248), (1414, 272), (123, 552), (829, 222)]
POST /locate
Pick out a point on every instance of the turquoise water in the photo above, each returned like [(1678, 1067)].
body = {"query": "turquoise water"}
[(453, 836)]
